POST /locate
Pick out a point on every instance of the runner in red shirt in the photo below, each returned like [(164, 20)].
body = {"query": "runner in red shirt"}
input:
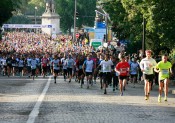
[(122, 68)]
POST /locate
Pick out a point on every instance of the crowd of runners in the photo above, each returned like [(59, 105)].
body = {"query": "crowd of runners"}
[(32, 55)]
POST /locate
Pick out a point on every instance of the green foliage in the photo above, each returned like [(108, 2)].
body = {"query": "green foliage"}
[(65, 8), (6, 9), (172, 56), (127, 17), (19, 19), (30, 8)]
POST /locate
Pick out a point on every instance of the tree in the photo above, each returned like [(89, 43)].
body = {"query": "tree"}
[(7, 7), (66, 10), (159, 16)]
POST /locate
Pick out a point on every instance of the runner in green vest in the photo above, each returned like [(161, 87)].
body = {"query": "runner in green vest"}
[(164, 70)]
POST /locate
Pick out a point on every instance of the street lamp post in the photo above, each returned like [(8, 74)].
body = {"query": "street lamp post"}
[(35, 13), (74, 36)]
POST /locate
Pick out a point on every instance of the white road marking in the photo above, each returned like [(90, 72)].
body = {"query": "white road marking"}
[(34, 113)]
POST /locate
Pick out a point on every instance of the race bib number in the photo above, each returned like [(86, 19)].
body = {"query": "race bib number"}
[(105, 67), (165, 71), (123, 70)]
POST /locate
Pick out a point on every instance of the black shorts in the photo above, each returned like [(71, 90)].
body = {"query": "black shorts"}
[(123, 77), (9, 65), (33, 72), (106, 77), (69, 71), (80, 72), (5, 66), (148, 77), (88, 73), (101, 74), (29, 69), (56, 71), (133, 75), (44, 68), (20, 69)]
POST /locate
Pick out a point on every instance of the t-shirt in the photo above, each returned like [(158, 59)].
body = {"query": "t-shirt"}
[(20, 63), (147, 65), (134, 68), (64, 63), (56, 64), (44, 62), (89, 65), (123, 67), (70, 63), (33, 63), (106, 65), (9, 61), (164, 69)]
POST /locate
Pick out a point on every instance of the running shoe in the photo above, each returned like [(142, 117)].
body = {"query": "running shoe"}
[(165, 98), (121, 94), (146, 97), (159, 99), (105, 92)]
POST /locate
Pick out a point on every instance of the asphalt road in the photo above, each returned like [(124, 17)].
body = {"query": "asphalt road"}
[(23, 100)]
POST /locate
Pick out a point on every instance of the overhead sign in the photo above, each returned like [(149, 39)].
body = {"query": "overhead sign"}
[(26, 26), (96, 43), (101, 25), (99, 33)]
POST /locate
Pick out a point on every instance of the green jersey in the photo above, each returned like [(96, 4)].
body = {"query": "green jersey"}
[(164, 69)]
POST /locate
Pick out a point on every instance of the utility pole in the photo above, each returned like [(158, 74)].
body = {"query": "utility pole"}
[(74, 36), (143, 40)]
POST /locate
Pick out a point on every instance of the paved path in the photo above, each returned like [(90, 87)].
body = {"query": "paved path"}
[(68, 103)]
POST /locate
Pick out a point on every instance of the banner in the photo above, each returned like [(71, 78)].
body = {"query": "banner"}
[(33, 26)]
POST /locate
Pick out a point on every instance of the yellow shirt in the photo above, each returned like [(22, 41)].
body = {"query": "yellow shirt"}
[(164, 69)]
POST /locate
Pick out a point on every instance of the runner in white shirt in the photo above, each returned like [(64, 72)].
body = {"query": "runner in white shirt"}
[(146, 65), (64, 63), (106, 69), (29, 66)]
